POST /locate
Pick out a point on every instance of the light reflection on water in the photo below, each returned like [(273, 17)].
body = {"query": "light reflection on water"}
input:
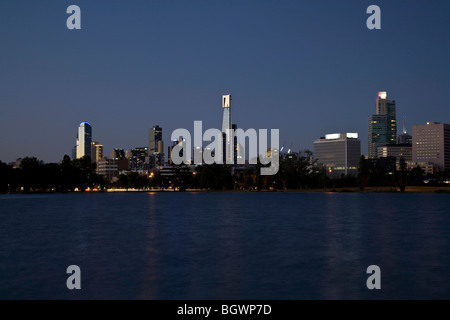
[(225, 245)]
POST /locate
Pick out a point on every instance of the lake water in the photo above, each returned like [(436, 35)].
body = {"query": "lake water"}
[(225, 245)]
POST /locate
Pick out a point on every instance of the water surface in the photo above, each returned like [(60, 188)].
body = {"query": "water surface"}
[(225, 245)]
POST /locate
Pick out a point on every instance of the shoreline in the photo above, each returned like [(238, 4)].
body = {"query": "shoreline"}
[(412, 189)]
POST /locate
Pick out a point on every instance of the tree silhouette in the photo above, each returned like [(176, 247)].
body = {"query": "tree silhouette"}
[(363, 173), (402, 174)]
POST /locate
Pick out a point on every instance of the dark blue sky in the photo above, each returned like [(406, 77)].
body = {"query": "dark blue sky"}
[(305, 67)]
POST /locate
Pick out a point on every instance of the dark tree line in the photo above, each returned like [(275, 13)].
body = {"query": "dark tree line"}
[(370, 176), (132, 180), (296, 172), (33, 175)]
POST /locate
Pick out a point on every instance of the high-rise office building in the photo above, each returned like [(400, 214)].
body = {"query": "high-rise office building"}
[(96, 151), (339, 153), (154, 137), (402, 149), (117, 154), (377, 134), (431, 144), (382, 125), (227, 128), (155, 146), (136, 157), (84, 140)]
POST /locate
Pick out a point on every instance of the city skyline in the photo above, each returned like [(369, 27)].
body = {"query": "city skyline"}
[(303, 68), (155, 143), (385, 110), (225, 156)]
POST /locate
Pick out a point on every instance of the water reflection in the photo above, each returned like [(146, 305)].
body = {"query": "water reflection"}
[(149, 285), (226, 245)]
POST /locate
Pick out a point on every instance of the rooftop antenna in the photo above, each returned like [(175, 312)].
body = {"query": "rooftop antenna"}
[(404, 125)]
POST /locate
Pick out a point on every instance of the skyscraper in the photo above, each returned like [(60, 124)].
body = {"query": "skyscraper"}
[(382, 125), (431, 144), (96, 151), (227, 128), (377, 134), (136, 157), (155, 146), (84, 140), (117, 154), (154, 136)]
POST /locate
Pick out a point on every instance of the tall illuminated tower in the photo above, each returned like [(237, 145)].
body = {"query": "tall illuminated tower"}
[(155, 146), (227, 127), (382, 125), (84, 140), (96, 151)]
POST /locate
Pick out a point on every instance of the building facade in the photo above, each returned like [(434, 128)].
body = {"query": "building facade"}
[(397, 151), (227, 128), (377, 134), (117, 154), (382, 125), (404, 138), (96, 152), (136, 158), (431, 144), (84, 140), (155, 146), (110, 168), (107, 168), (339, 153)]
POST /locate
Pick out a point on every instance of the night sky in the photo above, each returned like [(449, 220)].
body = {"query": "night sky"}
[(305, 67)]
